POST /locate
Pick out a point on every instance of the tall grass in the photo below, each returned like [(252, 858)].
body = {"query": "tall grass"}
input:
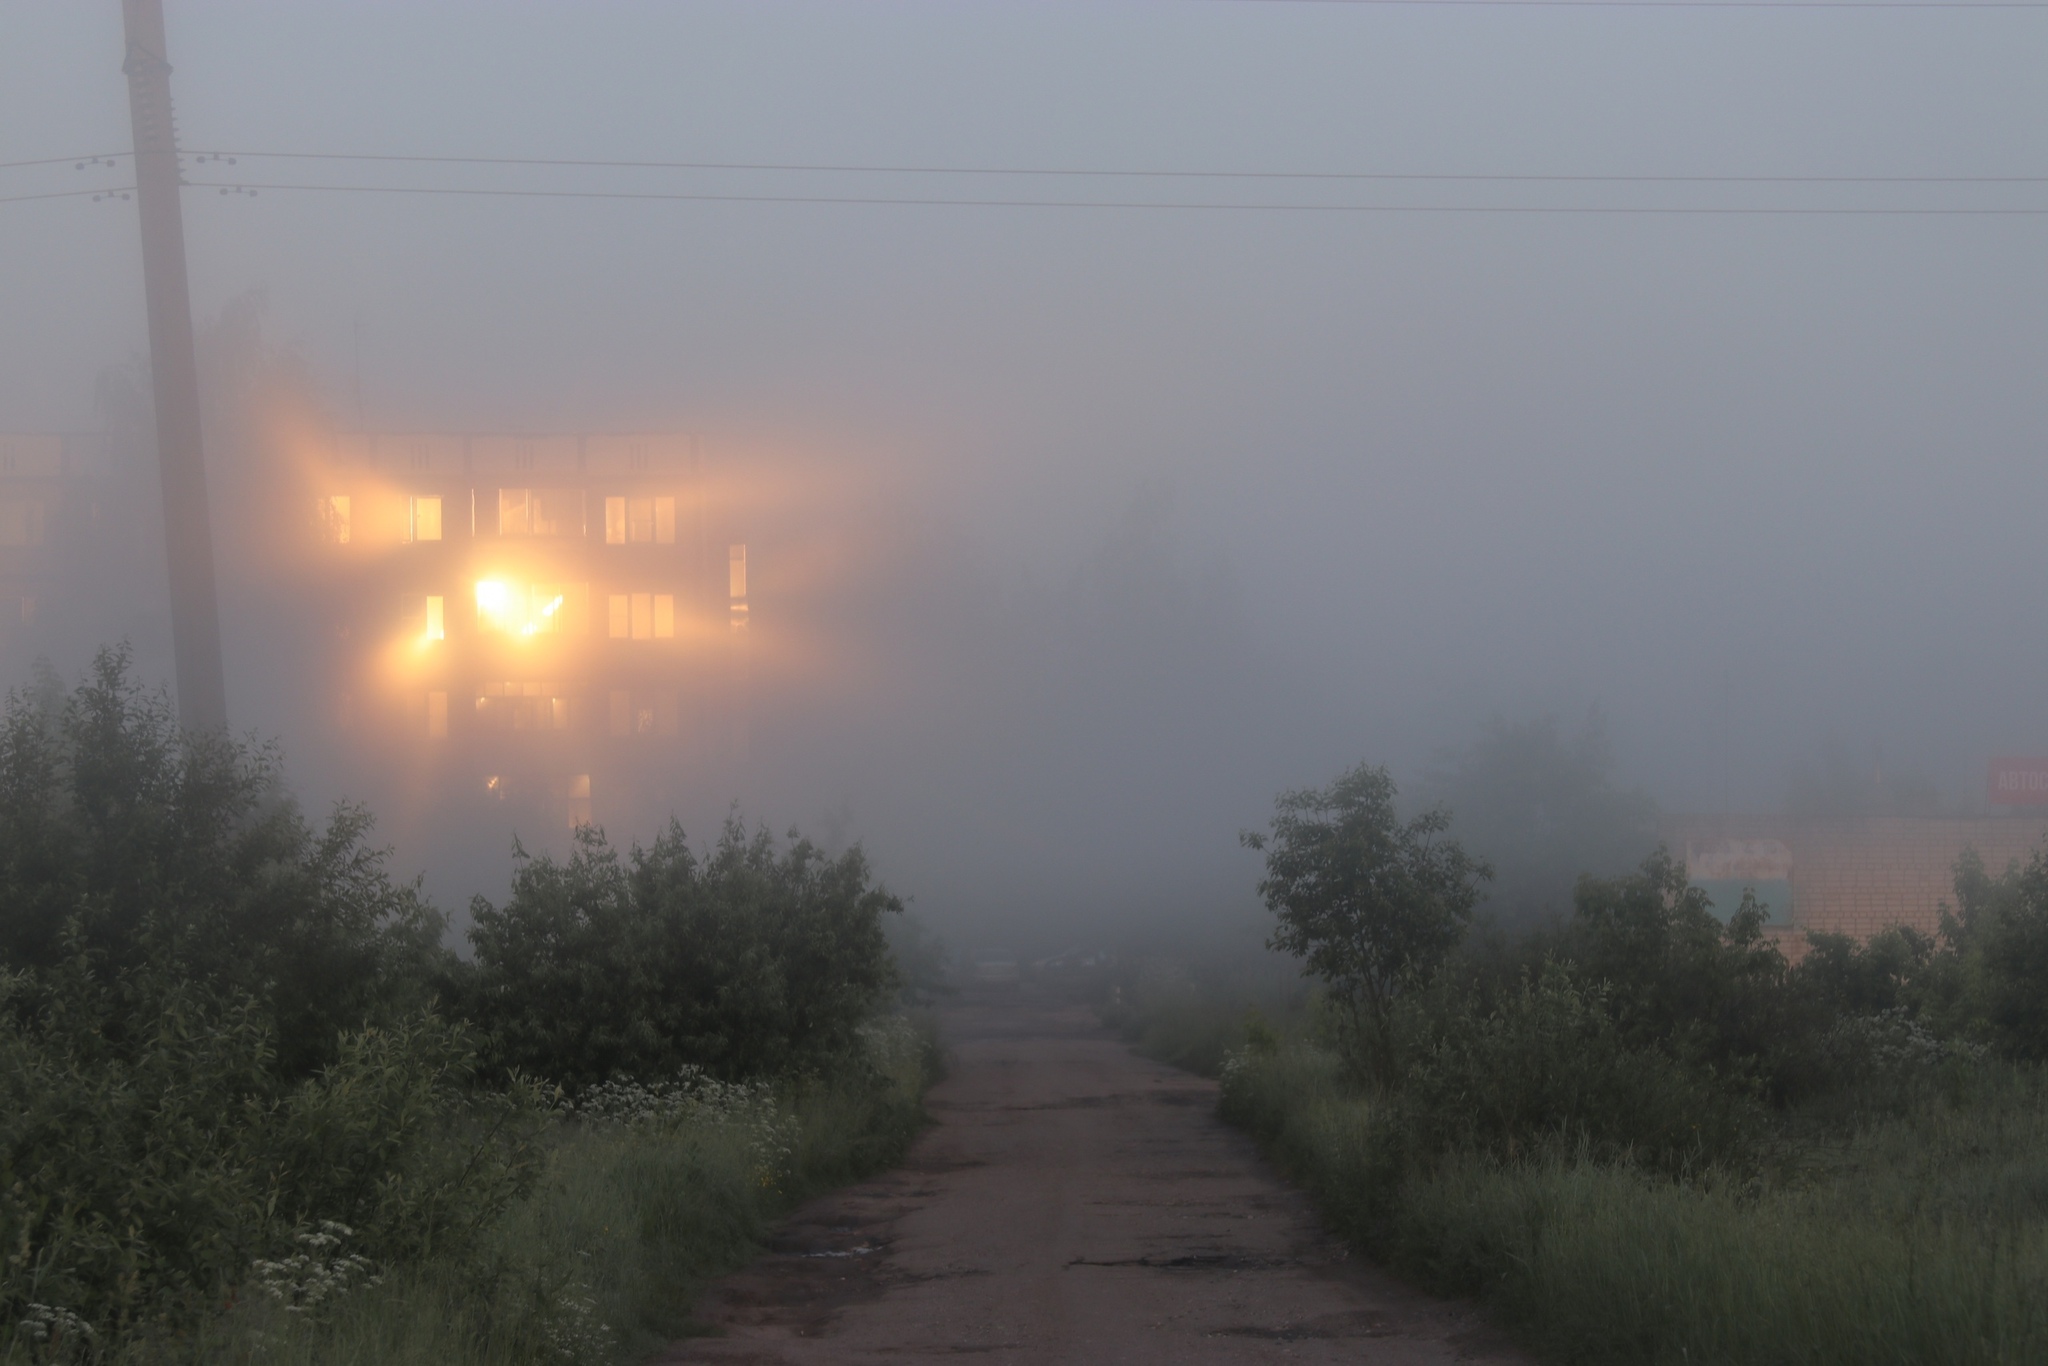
[(1917, 1237), (601, 1263)]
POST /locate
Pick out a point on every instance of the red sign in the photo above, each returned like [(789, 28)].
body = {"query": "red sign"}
[(2019, 782)]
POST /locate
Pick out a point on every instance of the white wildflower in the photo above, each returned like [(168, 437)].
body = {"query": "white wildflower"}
[(574, 1334), (318, 1273), (695, 1100), (54, 1327)]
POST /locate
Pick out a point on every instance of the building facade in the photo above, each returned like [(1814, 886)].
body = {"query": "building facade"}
[(557, 621), (1844, 875)]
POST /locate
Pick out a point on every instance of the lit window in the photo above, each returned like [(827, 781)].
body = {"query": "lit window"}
[(426, 519), (620, 612), (664, 616), (540, 512), (494, 605), (621, 712), (437, 618), (579, 800), (21, 522), (639, 520), (520, 610), (549, 610), (643, 616), (523, 705), (515, 512), (334, 518), (736, 572), (437, 715), (664, 521), (558, 512)]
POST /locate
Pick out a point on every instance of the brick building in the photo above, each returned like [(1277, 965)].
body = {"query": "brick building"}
[(1855, 875)]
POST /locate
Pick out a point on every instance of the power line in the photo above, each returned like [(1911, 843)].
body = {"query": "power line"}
[(81, 161), (118, 191), (1138, 174), (1241, 206)]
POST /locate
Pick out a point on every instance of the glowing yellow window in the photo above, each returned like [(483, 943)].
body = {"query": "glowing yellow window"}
[(664, 616), (639, 519), (494, 605), (664, 521), (334, 517), (643, 616), (549, 612), (437, 620), (437, 715), (426, 519), (614, 521), (736, 571), (621, 613)]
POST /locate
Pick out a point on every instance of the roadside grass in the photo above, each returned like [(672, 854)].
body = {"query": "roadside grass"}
[(1919, 1235), (602, 1263)]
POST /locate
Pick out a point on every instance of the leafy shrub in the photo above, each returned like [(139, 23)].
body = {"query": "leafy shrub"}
[(144, 1171), (1994, 979), (744, 962), (1549, 1069), (1676, 977), (127, 841)]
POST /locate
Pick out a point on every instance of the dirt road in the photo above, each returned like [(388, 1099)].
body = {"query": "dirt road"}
[(1073, 1203)]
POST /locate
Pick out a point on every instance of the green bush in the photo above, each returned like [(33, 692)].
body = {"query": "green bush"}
[(748, 961), (1645, 1137), (1548, 1068), (143, 1171), (631, 1215), (124, 841), (235, 1126)]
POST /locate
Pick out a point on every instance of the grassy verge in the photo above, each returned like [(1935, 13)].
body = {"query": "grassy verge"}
[(601, 1263), (1917, 1237)]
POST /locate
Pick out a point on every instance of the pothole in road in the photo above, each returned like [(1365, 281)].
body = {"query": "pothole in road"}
[(1369, 1323), (1194, 1261)]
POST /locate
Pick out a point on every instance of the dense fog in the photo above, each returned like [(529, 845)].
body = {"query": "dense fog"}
[(1078, 532)]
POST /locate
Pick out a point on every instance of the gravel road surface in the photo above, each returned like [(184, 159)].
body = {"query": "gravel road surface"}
[(1073, 1203)]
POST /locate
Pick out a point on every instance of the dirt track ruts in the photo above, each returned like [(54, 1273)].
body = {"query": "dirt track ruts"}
[(1073, 1203)]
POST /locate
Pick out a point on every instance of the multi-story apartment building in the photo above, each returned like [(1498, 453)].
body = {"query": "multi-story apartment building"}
[(559, 621)]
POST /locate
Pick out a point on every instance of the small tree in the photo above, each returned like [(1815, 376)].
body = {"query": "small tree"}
[(1366, 902)]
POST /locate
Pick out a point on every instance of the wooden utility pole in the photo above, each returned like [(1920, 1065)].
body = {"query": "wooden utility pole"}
[(174, 375)]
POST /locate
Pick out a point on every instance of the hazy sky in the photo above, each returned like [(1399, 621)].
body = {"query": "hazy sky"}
[(1170, 508)]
